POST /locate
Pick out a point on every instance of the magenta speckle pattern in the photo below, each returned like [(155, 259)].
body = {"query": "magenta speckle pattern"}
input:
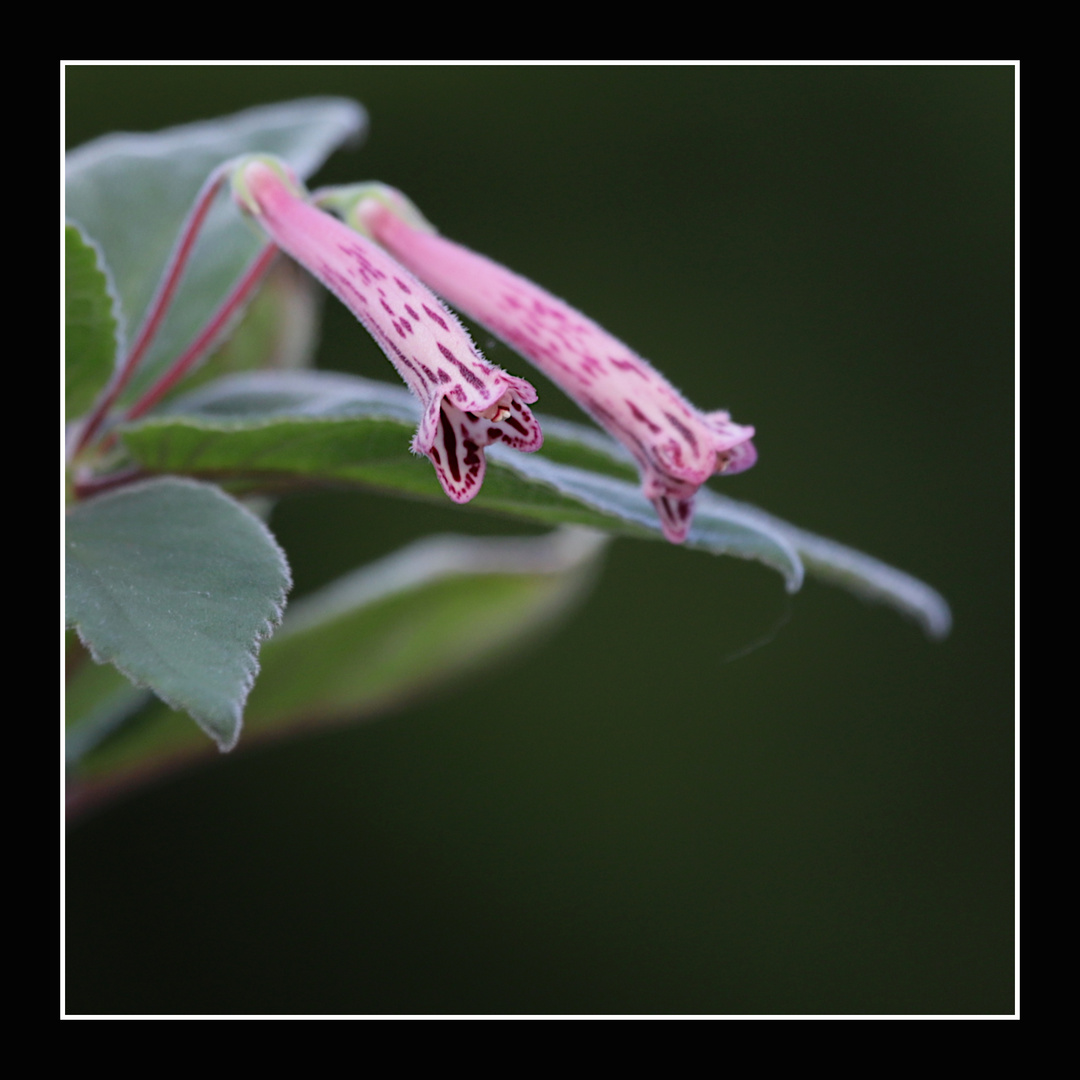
[(676, 446), (467, 403)]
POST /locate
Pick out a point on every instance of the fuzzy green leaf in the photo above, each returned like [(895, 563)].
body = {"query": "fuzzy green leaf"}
[(90, 325), (291, 429), (131, 193), (176, 584), (312, 427)]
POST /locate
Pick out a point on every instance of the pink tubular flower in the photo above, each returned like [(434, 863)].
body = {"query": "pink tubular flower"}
[(467, 403), (676, 446)]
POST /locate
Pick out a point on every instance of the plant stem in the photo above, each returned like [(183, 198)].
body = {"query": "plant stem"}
[(95, 485), (159, 305), (206, 337)]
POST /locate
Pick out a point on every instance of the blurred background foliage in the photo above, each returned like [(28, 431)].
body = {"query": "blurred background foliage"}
[(637, 814)]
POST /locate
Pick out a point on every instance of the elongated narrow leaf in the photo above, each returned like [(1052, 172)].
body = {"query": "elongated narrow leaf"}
[(825, 559), (319, 426), (436, 609), (131, 192), (176, 584), (316, 427), (432, 612), (860, 573), (90, 325)]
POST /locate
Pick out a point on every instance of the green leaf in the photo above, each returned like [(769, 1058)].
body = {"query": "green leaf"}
[(863, 575), (296, 428), (279, 330), (132, 192), (434, 611), (89, 323), (98, 700), (176, 584), (292, 428)]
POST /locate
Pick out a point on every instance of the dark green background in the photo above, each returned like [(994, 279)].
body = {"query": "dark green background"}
[(625, 819)]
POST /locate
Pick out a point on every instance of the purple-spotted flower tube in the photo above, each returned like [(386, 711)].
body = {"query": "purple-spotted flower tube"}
[(676, 446), (467, 403)]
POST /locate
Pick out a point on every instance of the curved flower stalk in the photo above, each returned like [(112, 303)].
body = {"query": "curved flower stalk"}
[(676, 446), (467, 403)]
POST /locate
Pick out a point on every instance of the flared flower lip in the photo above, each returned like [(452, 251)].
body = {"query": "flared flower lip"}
[(677, 446), (467, 403)]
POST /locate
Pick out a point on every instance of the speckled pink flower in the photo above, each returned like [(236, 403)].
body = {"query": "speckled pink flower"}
[(676, 446), (467, 403)]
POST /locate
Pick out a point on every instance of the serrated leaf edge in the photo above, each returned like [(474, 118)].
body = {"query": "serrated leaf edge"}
[(110, 289), (263, 633)]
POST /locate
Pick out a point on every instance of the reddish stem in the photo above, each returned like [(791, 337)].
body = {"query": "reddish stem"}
[(95, 485), (208, 335), (159, 305)]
